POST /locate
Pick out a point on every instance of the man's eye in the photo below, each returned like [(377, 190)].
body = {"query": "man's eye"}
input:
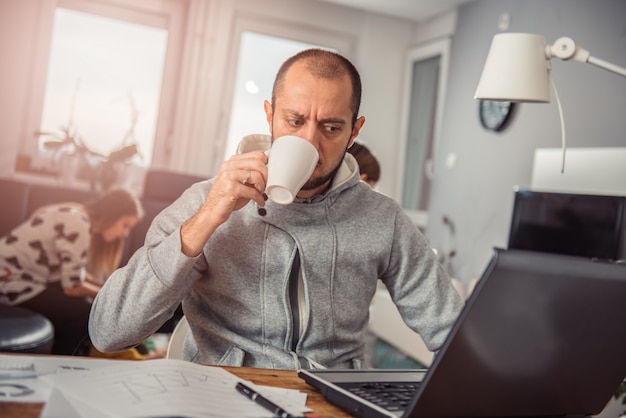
[(332, 129), (294, 122)]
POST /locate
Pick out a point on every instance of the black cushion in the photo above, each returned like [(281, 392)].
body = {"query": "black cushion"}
[(137, 235), (13, 206), (167, 185), (24, 331), (40, 195)]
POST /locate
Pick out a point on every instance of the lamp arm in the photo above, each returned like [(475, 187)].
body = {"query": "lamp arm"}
[(566, 49), (607, 66)]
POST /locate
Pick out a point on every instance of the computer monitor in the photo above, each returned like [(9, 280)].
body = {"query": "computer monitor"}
[(567, 223)]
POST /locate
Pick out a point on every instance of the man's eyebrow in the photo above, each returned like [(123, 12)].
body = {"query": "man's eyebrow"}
[(295, 113), (333, 120)]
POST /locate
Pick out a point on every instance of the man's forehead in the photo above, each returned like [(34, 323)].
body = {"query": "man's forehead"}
[(317, 88), (300, 70)]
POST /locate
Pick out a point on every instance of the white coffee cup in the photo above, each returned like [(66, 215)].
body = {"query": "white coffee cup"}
[(291, 162)]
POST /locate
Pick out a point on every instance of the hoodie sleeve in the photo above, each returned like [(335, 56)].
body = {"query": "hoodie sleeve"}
[(139, 297), (420, 287)]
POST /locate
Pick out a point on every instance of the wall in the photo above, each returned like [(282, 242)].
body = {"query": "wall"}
[(477, 193)]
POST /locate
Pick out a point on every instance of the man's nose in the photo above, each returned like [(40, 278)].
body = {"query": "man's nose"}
[(312, 134)]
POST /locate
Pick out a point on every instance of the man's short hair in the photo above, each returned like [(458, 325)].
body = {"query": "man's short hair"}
[(324, 64)]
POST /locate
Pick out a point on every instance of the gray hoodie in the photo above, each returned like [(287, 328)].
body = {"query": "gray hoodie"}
[(242, 306)]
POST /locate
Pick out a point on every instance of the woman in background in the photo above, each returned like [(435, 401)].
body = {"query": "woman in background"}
[(55, 262), (368, 164)]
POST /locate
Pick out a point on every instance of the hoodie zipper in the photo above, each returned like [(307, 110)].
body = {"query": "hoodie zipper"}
[(293, 301)]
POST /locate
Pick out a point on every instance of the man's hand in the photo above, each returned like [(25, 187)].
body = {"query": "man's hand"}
[(241, 178)]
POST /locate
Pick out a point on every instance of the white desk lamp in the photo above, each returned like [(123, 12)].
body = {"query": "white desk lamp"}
[(517, 69)]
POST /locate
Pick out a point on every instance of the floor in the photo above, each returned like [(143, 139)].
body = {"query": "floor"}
[(381, 355)]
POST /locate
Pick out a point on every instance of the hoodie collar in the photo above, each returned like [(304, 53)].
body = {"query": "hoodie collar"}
[(347, 171)]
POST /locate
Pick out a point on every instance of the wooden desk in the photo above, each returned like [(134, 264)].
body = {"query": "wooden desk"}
[(269, 377)]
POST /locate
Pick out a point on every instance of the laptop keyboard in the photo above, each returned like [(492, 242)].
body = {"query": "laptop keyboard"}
[(388, 395)]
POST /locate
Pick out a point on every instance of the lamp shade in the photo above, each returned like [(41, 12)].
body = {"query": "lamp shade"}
[(516, 70)]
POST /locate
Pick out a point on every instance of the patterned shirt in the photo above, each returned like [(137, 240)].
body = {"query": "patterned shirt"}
[(50, 246)]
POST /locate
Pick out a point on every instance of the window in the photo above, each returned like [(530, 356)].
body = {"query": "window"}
[(260, 56), (425, 87), (103, 83), (264, 43), (109, 70)]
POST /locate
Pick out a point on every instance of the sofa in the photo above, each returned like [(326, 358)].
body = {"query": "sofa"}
[(20, 199)]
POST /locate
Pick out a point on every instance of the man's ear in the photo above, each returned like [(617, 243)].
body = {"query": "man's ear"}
[(269, 114), (358, 124)]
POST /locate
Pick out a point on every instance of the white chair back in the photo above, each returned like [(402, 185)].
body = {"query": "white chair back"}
[(175, 345)]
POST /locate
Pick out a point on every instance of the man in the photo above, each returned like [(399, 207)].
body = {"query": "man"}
[(281, 286)]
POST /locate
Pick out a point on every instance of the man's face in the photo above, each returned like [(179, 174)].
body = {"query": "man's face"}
[(317, 110)]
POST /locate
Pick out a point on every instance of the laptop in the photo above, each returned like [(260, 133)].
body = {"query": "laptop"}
[(541, 335)]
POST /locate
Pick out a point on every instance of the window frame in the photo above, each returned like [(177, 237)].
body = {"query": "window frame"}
[(276, 27), (441, 48), (165, 14)]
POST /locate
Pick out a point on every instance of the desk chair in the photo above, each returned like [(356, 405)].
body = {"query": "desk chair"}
[(175, 345)]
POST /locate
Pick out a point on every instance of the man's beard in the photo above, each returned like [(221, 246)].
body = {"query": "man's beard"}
[(314, 183)]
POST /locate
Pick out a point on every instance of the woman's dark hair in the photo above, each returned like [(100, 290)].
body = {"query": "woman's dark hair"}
[(112, 205), (368, 164), (103, 211)]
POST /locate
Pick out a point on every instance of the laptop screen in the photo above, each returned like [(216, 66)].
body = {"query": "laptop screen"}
[(566, 223)]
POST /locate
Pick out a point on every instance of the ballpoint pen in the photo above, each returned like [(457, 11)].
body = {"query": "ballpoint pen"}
[(277, 410)]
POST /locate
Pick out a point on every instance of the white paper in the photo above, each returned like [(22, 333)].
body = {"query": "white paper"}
[(82, 387), (38, 390), (161, 387)]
